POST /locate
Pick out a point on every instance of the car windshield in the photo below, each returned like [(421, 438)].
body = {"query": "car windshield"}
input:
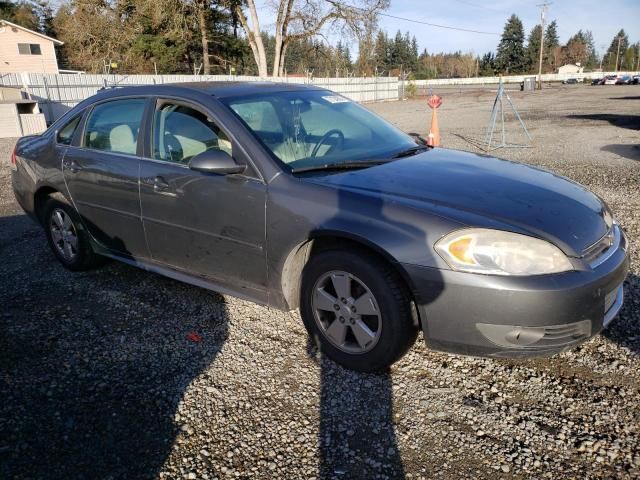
[(316, 128)]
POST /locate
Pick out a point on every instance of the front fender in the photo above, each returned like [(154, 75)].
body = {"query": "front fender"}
[(299, 211)]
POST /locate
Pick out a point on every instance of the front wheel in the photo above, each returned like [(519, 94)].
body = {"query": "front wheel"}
[(357, 310)]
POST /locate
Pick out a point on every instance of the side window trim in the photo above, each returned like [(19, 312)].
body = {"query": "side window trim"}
[(74, 137), (141, 129), (253, 172)]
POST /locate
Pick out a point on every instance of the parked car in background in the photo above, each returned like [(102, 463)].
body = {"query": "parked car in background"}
[(598, 81), (296, 197), (623, 80), (610, 79), (636, 79), (570, 81)]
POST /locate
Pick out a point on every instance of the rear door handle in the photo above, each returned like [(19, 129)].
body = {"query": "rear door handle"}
[(160, 185)]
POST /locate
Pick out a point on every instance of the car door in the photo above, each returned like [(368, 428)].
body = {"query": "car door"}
[(101, 174), (211, 225)]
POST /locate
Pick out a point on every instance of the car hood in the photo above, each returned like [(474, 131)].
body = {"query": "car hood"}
[(480, 190)]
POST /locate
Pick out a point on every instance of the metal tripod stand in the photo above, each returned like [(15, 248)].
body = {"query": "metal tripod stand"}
[(498, 110)]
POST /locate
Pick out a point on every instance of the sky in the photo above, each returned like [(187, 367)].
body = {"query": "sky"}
[(603, 17)]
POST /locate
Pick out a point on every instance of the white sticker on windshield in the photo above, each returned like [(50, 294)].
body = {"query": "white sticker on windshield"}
[(336, 99)]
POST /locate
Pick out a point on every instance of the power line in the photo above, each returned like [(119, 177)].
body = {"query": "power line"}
[(421, 22)]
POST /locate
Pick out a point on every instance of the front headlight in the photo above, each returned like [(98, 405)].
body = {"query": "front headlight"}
[(481, 250)]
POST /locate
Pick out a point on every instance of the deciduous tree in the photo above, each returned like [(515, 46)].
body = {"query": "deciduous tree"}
[(297, 19)]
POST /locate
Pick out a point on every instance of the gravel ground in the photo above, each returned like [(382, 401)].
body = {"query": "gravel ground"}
[(99, 377)]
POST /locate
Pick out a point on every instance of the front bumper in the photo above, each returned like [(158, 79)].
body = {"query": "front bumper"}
[(502, 316)]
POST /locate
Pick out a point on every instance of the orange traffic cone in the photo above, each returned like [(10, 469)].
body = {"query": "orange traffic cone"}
[(433, 139)]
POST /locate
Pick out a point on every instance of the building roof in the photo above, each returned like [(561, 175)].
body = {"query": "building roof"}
[(54, 40)]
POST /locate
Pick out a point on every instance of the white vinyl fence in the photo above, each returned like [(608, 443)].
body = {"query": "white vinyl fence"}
[(56, 94), (547, 77)]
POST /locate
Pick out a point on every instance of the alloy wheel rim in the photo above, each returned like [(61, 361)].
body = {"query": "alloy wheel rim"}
[(63, 234), (346, 312)]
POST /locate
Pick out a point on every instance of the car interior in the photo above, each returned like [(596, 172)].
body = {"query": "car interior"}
[(113, 126), (183, 133), (297, 129)]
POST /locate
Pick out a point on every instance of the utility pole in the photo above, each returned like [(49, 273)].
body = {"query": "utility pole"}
[(618, 53), (543, 10)]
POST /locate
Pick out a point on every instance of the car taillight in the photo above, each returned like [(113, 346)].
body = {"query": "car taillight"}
[(14, 165)]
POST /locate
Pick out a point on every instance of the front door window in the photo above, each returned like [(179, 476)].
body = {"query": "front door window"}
[(181, 133)]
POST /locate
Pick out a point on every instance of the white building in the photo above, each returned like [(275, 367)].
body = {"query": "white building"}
[(571, 68), (23, 50)]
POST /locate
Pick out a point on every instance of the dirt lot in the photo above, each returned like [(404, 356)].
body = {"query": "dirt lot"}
[(99, 380)]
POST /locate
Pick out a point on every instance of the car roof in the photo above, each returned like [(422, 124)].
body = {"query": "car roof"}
[(217, 89)]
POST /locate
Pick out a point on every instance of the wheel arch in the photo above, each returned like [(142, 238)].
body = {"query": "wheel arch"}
[(322, 240), (40, 198)]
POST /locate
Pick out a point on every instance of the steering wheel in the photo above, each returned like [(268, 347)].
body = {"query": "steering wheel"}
[(325, 137)]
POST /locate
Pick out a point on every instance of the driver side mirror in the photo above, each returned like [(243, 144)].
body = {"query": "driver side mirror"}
[(215, 161)]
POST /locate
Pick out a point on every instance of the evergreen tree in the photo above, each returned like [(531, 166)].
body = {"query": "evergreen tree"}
[(381, 52), (533, 49), (592, 53), (632, 57), (511, 57), (551, 55), (396, 53), (488, 65), (414, 54), (347, 57), (32, 14), (612, 51)]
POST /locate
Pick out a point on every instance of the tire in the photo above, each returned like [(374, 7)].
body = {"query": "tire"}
[(67, 238), (391, 330)]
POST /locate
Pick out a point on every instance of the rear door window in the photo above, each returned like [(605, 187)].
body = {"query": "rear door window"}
[(114, 126)]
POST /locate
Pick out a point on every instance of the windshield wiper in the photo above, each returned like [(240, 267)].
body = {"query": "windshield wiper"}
[(340, 166), (411, 151)]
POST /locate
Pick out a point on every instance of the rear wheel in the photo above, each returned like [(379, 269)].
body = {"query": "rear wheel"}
[(67, 238), (357, 310)]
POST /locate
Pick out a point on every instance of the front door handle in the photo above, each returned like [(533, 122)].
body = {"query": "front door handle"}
[(71, 165), (160, 185)]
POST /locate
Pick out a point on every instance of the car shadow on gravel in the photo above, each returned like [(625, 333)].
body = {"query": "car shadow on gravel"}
[(95, 364), (624, 150), (357, 438), (619, 120), (625, 329), (625, 98)]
